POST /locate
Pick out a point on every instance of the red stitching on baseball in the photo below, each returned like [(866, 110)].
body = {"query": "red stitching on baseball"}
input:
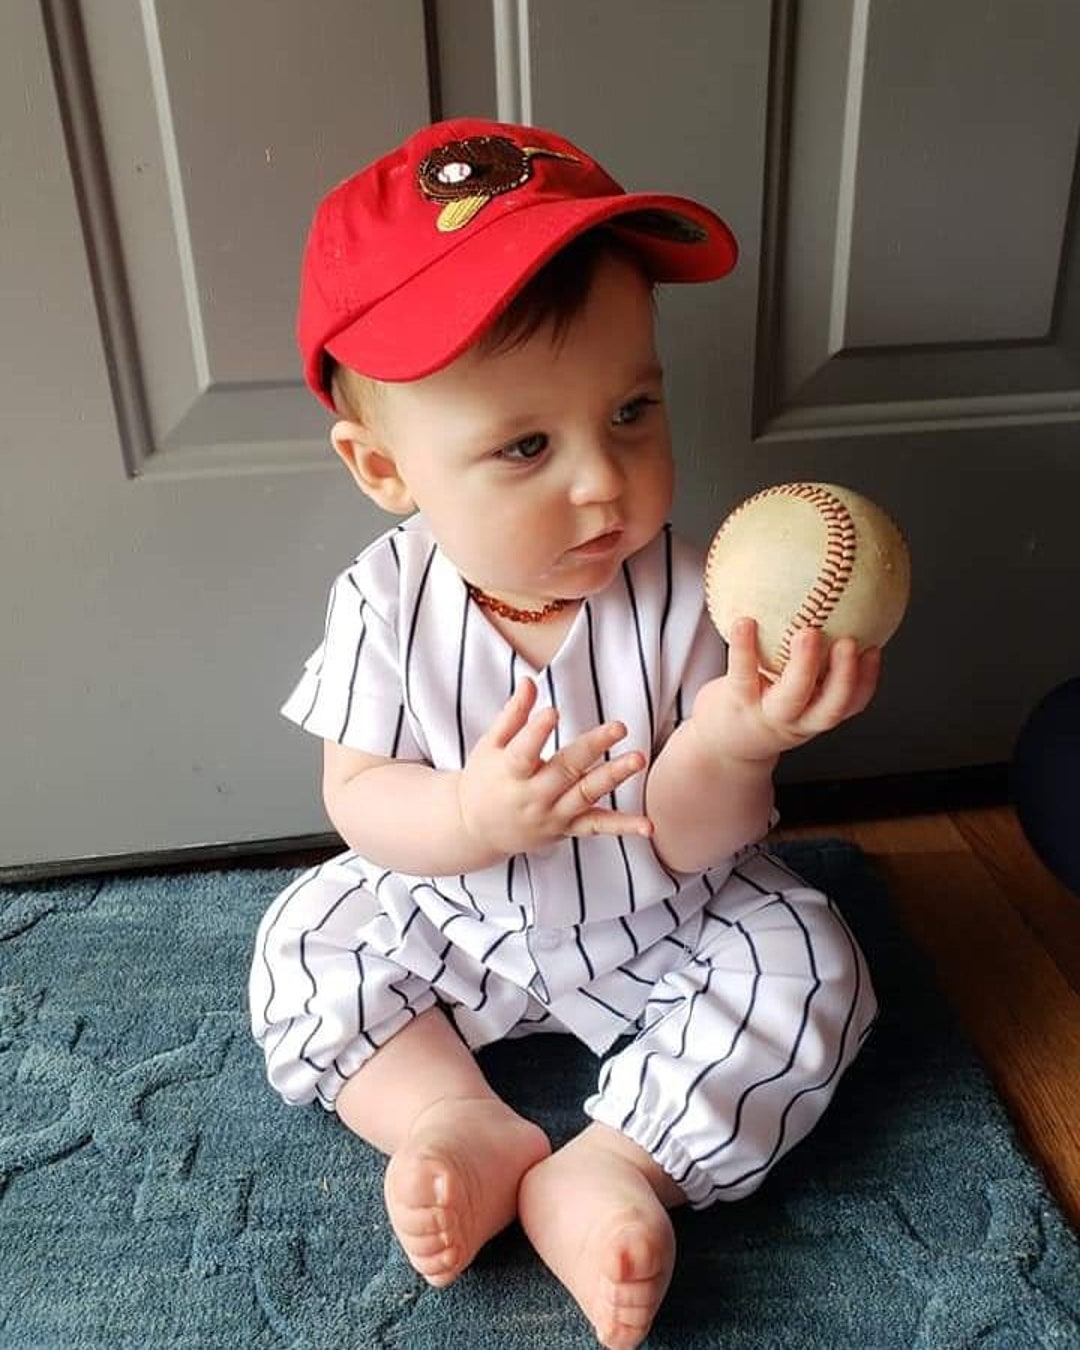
[(839, 562)]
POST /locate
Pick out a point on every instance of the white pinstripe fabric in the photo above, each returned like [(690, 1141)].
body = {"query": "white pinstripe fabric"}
[(742, 1046), (592, 936)]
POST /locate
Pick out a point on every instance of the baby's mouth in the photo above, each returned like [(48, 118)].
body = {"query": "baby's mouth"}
[(599, 545)]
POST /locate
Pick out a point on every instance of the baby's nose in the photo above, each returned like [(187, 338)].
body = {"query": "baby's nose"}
[(598, 477)]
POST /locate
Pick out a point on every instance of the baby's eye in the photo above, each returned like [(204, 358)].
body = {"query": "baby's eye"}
[(527, 448), (634, 410)]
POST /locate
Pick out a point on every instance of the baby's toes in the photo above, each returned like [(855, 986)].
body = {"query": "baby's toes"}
[(633, 1276), (420, 1201)]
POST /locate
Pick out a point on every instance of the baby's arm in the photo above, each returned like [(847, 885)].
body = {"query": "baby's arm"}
[(710, 790), (507, 799)]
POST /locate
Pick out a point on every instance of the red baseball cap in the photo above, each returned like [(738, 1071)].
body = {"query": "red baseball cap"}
[(409, 260)]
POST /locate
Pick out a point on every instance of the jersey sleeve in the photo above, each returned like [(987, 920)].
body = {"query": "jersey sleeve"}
[(693, 652), (706, 660), (351, 689)]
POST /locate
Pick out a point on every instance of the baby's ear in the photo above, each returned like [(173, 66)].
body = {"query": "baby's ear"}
[(372, 466)]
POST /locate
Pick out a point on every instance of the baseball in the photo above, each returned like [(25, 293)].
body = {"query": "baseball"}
[(808, 555)]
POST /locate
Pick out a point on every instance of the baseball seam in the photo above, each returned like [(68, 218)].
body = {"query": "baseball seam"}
[(836, 568)]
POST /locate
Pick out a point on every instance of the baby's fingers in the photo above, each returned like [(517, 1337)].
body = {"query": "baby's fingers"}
[(867, 683), (514, 714), (590, 787), (847, 687), (523, 749), (786, 700), (837, 688), (850, 683), (743, 657), (609, 822), (573, 762)]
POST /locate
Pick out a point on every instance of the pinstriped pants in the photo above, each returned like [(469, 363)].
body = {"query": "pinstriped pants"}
[(734, 1056), (741, 1048)]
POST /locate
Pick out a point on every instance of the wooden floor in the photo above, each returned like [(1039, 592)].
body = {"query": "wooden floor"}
[(1004, 936)]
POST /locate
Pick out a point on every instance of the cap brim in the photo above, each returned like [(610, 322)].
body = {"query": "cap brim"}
[(431, 319)]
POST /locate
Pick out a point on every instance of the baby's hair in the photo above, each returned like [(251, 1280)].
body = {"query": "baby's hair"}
[(351, 393), (557, 294), (554, 296)]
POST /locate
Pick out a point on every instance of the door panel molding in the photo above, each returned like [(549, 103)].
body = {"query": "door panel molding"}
[(856, 337), (194, 259), (513, 63), (86, 153)]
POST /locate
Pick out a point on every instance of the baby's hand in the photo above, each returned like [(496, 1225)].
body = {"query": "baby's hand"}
[(511, 800), (743, 716)]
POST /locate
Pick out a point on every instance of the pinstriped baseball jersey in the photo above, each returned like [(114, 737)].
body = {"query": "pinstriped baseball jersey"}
[(410, 667), (741, 993)]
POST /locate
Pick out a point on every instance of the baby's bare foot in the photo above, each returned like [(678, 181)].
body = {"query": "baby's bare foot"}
[(598, 1224), (453, 1183)]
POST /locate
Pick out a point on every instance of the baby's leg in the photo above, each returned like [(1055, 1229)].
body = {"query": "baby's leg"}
[(457, 1151), (596, 1213), (740, 1051), (743, 1046)]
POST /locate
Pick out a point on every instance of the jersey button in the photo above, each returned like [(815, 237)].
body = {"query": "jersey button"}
[(547, 939)]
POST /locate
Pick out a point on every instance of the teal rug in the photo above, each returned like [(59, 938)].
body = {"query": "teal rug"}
[(153, 1193)]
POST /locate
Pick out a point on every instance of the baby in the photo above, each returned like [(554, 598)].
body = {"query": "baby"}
[(477, 310)]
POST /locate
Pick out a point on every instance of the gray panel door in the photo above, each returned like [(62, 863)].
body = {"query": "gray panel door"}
[(904, 319), (170, 509)]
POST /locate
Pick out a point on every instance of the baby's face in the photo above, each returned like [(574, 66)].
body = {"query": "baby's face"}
[(541, 468)]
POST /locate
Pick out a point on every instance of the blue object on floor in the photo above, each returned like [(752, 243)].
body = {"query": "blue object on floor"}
[(1046, 782), (153, 1193)]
